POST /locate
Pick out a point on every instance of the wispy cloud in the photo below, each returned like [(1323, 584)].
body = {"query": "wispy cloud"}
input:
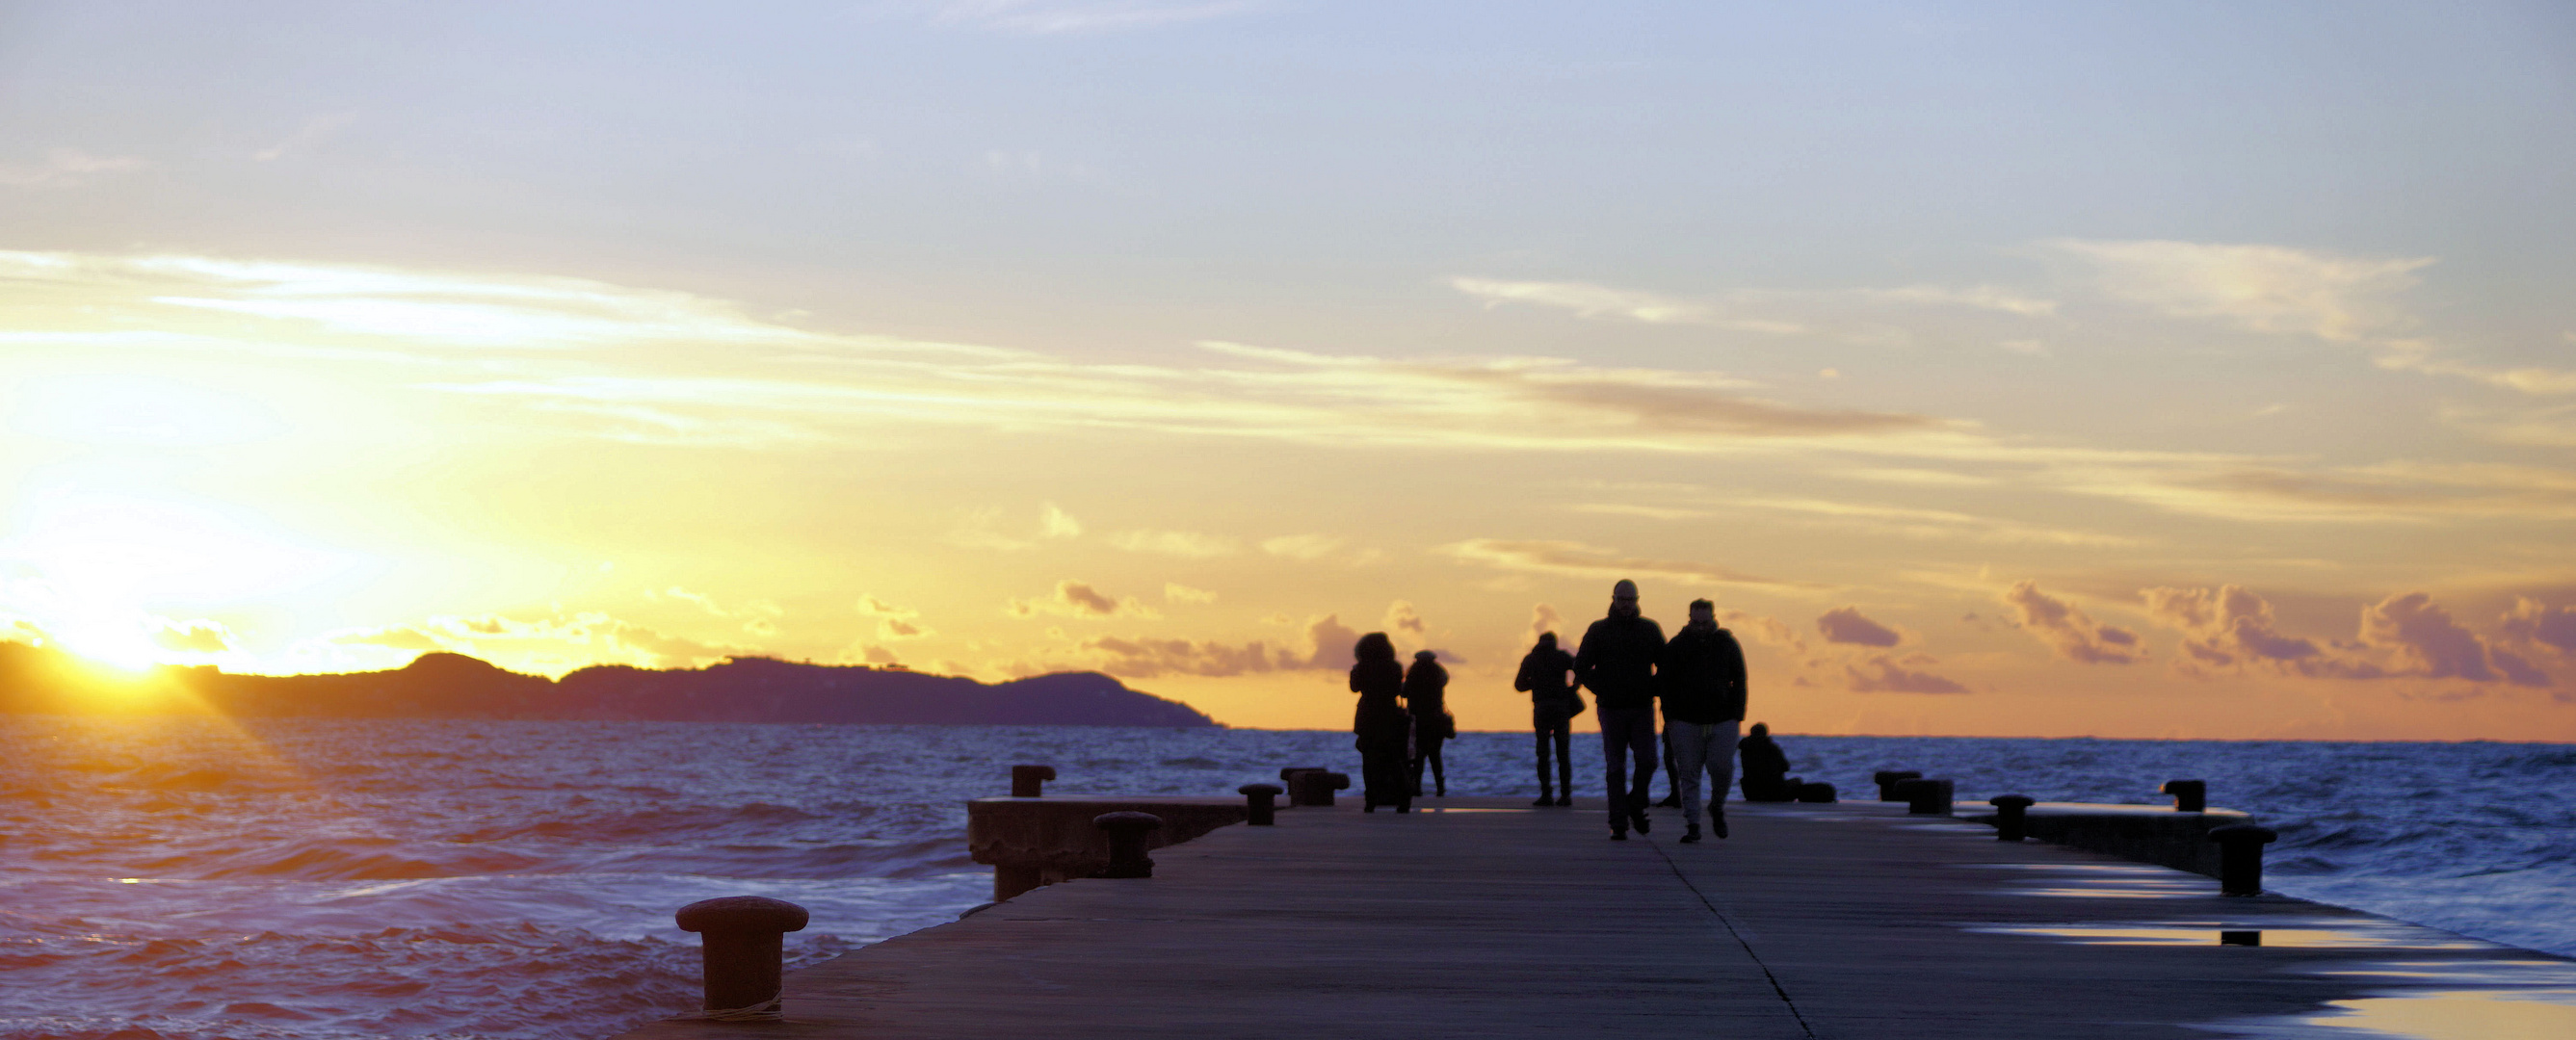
[(1575, 559), (2068, 630), (64, 168), (2265, 288)]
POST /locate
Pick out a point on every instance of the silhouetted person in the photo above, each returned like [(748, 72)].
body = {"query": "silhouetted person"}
[(1766, 768), (1426, 697), (1547, 673), (1703, 688), (1617, 660), (1383, 727)]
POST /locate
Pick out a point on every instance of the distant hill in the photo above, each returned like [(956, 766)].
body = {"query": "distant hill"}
[(743, 689)]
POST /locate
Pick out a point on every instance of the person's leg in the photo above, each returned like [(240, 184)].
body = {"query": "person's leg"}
[(1413, 769), (1439, 771), (1688, 744), (1539, 730), (1564, 763), (1614, 764), (1672, 776), (1721, 770), (1642, 739)]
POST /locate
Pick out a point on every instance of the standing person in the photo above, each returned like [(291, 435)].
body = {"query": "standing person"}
[(1547, 674), (1617, 660), (1703, 688), (1426, 687), (1381, 724)]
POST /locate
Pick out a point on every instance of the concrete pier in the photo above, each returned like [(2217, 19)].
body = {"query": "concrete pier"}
[(1489, 918)]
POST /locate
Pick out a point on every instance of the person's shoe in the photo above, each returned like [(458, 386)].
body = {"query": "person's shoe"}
[(1370, 807), (1638, 820), (1565, 799), (1442, 792), (1691, 835), (1671, 801), (1545, 799), (1618, 835), (1716, 821)]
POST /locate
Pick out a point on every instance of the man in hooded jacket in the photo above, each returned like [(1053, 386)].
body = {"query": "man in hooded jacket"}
[(1617, 661), (1703, 688)]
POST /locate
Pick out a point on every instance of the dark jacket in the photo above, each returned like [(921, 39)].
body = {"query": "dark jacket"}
[(1379, 716), (1617, 661), (1426, 688), (1543, 675), (1703, 676), (1762, 758)]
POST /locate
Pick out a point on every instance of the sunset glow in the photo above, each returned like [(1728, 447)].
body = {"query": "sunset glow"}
[(1991, 375)]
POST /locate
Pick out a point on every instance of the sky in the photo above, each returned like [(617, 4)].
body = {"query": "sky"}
[(2016, 369)]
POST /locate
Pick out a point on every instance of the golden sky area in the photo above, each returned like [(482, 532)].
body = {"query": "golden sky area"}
[(1185, 342)]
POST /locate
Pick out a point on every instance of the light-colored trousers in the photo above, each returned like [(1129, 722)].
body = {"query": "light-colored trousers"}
[(1699, 747)]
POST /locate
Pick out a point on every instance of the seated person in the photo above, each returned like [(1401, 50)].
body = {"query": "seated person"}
[(1766, 768)]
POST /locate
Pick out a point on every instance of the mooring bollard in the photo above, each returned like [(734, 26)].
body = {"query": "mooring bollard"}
[(1316, 786), (1127, 831), (1816, 792), (1925, 797), (2011, 815), (1887, 781), (741, 938), (1256, 797), (1030, 781), (2189, 795), (2240, 857)]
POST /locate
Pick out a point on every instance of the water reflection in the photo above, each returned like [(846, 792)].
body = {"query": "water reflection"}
[(2290, 933), (2477, 1000)]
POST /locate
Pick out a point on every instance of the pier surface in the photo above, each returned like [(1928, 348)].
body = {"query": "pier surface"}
[(1487, 918)]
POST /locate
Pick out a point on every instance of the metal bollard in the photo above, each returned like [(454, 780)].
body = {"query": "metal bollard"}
[(1925, 797), (2011, 815), (1030, 781), (1256, 797), (740, 938), (1127, 831), (2240, 857), (2189, 795), (1887, 781), (1816, 792), (1315, 786)]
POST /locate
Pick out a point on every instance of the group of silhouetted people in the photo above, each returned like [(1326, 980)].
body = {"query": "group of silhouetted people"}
[(1698, 675), (1403, 718)]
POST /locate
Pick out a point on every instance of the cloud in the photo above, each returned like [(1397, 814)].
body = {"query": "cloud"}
[(1328, 647), (2426, 642), (1188, 544), (1176, 592), (1056, 523), (1598, 301), (1575, 559), (1982, 297), (1080, 599), (64, 168), (2264, 288), (1846, 625), (548, 645), (2067, 630), (2229, 627), (1878, 673), (1403, 622), (2532, 621), (312, 132), (2420, 356), (2403, 636), (1544, 619), (191, 637)]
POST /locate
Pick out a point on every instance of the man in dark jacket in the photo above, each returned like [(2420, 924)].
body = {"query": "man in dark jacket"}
[(1547, 673), (1703, 688), (1617, 661)]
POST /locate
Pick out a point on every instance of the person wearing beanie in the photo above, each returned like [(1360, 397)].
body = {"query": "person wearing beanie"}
[(1617, 661), (1702, 680)]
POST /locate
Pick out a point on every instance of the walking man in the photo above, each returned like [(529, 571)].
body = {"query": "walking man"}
[(1703, 688), (1617, 660), (1547, 673)]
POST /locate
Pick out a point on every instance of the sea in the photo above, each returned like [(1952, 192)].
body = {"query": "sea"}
[(198, 878)]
